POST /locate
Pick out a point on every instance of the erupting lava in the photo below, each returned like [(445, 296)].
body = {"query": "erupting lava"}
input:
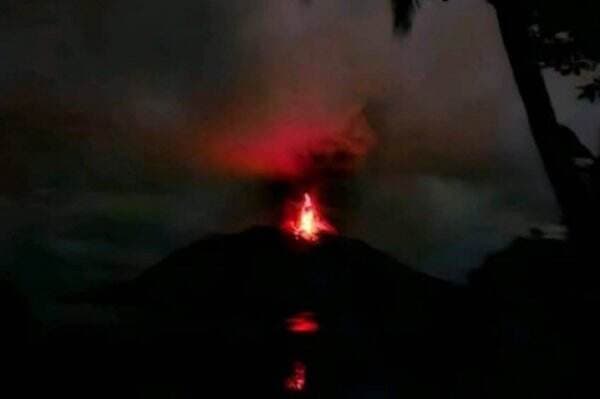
[(308, 223)]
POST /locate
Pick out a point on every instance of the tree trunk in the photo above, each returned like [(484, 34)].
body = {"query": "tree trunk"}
[(558, 146)]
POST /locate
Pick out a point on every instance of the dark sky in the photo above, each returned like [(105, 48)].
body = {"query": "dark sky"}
[(129, 128)]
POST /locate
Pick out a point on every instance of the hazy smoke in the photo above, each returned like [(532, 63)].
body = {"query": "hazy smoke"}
[(207, 100)]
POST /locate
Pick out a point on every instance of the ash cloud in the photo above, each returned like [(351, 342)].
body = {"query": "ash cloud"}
[(182, 108)]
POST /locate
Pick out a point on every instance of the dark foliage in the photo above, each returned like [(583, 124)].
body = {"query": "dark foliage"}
[(567, 35), (590, 91)]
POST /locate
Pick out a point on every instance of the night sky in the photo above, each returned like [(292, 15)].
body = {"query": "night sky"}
[(130, 128)]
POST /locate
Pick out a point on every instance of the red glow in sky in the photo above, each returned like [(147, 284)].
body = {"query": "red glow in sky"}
[(285, 146)]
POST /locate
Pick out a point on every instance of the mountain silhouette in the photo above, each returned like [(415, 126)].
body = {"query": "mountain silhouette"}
[(263, 272), (229, 298)]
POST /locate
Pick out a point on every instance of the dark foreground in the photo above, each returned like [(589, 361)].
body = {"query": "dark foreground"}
[(216, 320)]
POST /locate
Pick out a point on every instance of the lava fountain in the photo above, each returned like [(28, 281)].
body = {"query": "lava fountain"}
[(307, 222)]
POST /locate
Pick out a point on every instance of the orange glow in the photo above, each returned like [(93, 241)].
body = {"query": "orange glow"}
[(303, 324), (297, 381), (308, 224)]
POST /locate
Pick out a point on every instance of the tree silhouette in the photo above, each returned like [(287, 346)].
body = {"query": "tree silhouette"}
[(403, 12), (567, 38), (550, 33)]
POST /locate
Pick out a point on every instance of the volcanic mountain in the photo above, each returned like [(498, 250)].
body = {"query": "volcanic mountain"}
[(230, 299), (265, 274), (256, 312)]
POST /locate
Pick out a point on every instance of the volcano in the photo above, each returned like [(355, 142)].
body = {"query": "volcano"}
[(265, 274), (343, 313)]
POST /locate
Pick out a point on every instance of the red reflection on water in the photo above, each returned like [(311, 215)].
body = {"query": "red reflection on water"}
[(303, 323), (297, 381)]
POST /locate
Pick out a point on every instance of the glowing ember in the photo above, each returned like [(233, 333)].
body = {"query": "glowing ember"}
[(303, 324), (308, 224), (297, 381)]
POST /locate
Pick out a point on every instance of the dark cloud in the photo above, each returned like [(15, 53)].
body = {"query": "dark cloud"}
[(130, 128)]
